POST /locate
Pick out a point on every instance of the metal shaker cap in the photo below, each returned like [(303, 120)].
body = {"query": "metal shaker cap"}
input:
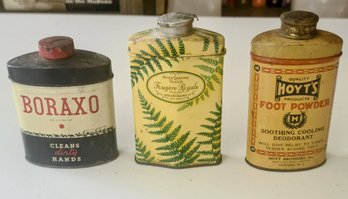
[(298, 24), (56, 47), (176, 23)]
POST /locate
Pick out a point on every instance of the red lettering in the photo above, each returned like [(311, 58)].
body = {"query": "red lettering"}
[(26, 104), (38, 101), (51, 105), (96, 101), (65, 107), (79, 106)]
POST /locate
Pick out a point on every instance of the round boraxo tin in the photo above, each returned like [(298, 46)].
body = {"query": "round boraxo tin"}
[(65, 108)]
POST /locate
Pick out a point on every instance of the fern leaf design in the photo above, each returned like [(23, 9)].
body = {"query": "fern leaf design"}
[(142, 154), (206, 42), (172, 49), (154, 59), (205, 68), (154, 51), (162, 47), (186, 105), (163, 129), (212, 70), (157, 63), (158, 124), (213, 141), (216, 43), (211, 61), (138, 61), (181, 46), (176, 149), (216, 79)]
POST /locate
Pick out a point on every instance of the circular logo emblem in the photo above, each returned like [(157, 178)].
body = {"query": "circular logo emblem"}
[(294, 120)]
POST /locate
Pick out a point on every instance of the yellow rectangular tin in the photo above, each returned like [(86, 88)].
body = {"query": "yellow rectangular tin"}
[(176, 74)]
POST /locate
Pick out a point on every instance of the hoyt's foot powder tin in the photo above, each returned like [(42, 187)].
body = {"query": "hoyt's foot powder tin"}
[(65, 107), (292, 84), (176, 73)]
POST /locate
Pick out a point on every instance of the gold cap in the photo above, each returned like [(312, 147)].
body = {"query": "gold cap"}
[(176, 23), (298, 24)]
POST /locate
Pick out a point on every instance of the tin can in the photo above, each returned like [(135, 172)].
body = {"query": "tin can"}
[(176, 74), (292, 83), (64, 101)]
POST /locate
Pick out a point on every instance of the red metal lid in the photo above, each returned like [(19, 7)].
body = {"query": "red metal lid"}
[(56, 47)]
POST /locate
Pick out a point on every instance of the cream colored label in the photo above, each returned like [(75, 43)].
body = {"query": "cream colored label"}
[(32, 5), (289, 114), (176, 86), (76, 111)]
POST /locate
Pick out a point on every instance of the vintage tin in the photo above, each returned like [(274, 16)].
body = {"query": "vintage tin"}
[(64, 101), (292, 84), (176, 74)]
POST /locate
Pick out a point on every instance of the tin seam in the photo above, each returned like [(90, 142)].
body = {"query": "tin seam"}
[(270, 60)]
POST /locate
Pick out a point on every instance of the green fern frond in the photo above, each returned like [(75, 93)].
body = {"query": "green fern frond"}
[(146, 54), (168, 153), (212, 120), (210, 86), (150, 66), (157, 124), (206, 92), (216, 113), (163, 130), (150, 112), (142, 57), (176, 148), (193, 151), (134, 77), (181, 46), (172, 49), (205, 68), (138, 61), (142, 154), (205, 77), (185, 105), (206, 142), (181, 140), (213, 137), (167, 62), (197, 100), (218, 107), (207, 134), (202, 152), (210, 61), (206, 42), (174, 133), (216, 145), (169, 137), (188, 161), (216, 79), (216, 43), (154, 51), (162, 47), (219, 70), (143, 68), (176, 158), (209, 127), (186, 147), (157, 63), (207, 160)]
